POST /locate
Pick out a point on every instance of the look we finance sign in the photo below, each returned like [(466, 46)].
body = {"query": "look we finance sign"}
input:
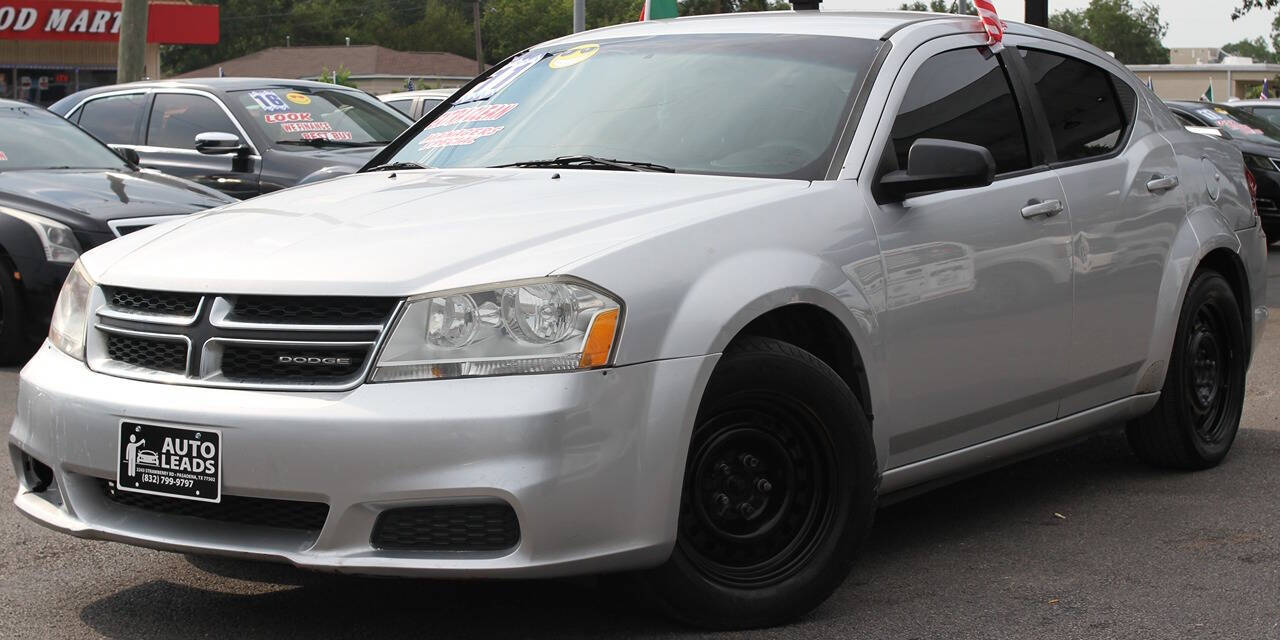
[(86, 20)]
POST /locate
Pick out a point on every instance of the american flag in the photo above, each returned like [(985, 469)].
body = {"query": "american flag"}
[(990, 22)]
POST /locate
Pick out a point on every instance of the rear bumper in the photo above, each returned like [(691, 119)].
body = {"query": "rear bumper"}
[(591, 463), (1253, 253)]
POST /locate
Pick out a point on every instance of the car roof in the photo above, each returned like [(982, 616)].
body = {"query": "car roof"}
[(1256, 103), (873, 25), (6, 102), (419, 93), (217, 84)]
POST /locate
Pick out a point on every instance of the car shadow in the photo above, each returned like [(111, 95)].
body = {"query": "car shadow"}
[(294, 602)]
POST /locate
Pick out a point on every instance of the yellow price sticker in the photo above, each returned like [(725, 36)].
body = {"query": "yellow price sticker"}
[(574, 56), (298, 98)]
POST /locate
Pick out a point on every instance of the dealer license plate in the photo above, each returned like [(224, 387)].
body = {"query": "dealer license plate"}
[(179, 462)]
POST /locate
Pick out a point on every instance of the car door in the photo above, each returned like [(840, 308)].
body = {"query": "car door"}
[(1125, 201), (977, 304), (174, 120)]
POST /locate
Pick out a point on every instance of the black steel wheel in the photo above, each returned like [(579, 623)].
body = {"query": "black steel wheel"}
[(779, 491), (1198, 414)]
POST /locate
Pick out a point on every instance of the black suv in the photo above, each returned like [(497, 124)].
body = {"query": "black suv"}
[(1256, 137), (241, 136), (63, 193)]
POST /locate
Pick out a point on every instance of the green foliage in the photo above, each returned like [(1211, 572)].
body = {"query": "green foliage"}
[(703, 7), (1249, 5), (938, 6), (341, 75), (407, 25), (506, 26), (1132, 33), (1257, 48)]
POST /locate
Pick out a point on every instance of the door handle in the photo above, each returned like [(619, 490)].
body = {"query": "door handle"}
[(1048, 209), (1159, 183)]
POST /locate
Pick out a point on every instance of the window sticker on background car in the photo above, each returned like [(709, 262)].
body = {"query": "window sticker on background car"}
[(501, 79), (268, 100), (573, 56), (1210, 114), (326, 135), (291, 116), (478, 113), (1239, 126), (456, 138), (298, 127), (298, 98), (3, 157)]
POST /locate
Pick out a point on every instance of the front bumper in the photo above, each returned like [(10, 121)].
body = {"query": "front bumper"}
[(591, 462)]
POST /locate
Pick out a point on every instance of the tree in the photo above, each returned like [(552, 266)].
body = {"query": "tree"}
[(1256, 48), (1132, 34), (1249, 5), (252, 25), (938, 6), (341, 75)]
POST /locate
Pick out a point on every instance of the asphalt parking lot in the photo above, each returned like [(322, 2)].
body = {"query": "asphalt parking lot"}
[(1081, 543)]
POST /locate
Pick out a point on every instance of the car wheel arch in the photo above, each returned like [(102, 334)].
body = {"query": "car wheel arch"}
[(1204, 239)]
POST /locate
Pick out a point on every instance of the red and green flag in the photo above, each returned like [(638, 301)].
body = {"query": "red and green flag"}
[(658, 9)]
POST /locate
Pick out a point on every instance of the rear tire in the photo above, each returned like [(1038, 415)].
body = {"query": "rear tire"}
[(779, 492), (1198, 415)]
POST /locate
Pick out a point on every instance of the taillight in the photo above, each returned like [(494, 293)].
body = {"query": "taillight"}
[(1253, 190)]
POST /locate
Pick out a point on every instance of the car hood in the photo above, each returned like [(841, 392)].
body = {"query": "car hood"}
[(71, 194), (400, 233)]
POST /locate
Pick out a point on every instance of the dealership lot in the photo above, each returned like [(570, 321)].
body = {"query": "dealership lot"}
[(1085, 542)]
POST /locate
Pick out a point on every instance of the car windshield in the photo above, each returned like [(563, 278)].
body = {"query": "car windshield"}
[(729, 104), (1271, 114), (1239, 123), (32, 138), (302, 117)]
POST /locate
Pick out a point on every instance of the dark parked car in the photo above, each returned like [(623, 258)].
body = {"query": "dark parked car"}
[(63, 193), (241, 136), (1259, 140)]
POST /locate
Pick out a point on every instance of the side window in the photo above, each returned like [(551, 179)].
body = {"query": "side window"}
[(963, 95), (403, 106), (1088, 108), (176, 118), (1186, 122), (111, 119)]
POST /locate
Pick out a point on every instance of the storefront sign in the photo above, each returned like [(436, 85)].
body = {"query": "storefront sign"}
[(82, 20)]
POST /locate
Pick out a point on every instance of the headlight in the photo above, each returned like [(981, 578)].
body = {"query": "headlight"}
[(528, 327), (1259, 163), (71, 314), (59, 242)]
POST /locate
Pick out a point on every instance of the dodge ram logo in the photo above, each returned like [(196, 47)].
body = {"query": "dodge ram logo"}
[(333, 362)]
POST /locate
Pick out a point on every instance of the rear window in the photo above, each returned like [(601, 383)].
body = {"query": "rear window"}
[(1088, 109)]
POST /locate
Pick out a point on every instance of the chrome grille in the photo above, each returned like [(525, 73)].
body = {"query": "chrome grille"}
[(297, 342)]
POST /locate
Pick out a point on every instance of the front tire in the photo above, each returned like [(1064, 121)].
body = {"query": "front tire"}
[(15, 345), (1198, 414), (779, 492)]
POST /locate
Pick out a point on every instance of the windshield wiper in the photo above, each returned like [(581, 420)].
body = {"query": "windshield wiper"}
[(396, 166), (322, 142), (589, 162)]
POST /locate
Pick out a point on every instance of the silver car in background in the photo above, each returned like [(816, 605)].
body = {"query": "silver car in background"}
[(682, 299)]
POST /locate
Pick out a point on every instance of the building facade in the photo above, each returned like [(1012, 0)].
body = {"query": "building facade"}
[(52, 48)]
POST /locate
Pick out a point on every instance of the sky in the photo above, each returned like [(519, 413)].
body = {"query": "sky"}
[(1192, 23)]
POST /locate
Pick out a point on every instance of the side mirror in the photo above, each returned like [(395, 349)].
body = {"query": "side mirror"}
[(217, 143), (129, 154), (940, 165)]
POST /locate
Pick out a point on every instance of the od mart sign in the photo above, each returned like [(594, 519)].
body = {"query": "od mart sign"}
[(100, 21)]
